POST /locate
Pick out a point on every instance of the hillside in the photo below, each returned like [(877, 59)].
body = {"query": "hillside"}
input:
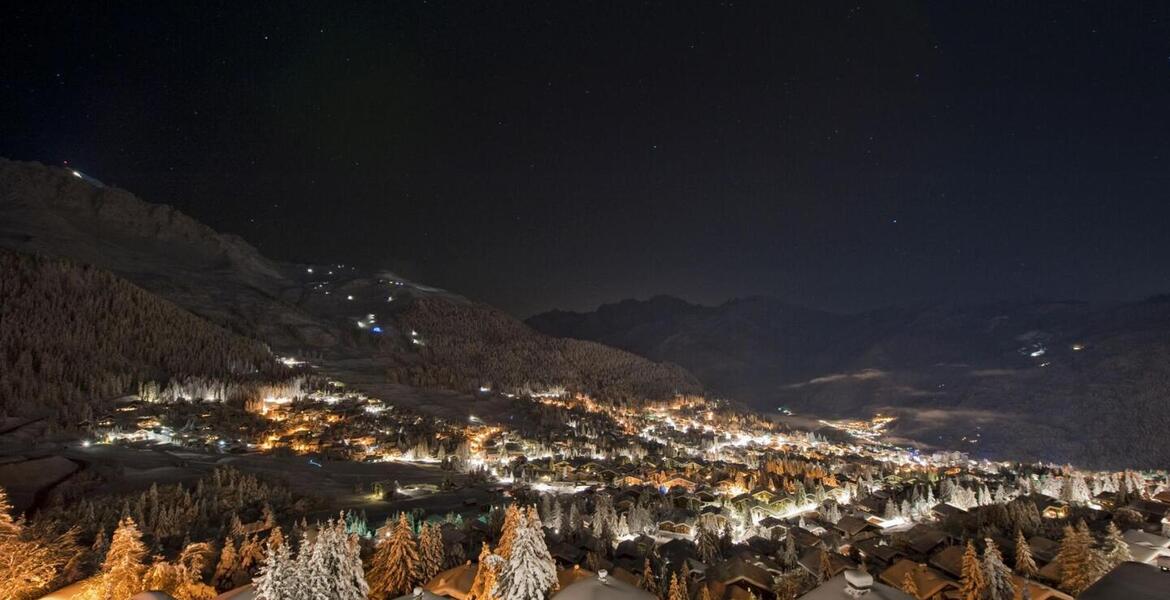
[(73, 337), (342, 316), (461, 342), (1050, 381)]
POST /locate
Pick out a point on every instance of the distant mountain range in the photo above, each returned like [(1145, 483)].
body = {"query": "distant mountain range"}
[(1059, 381), (375, 326)]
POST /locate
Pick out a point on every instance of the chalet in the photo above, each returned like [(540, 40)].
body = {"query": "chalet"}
[(1146, 547), (568, 554), (774, 527), (677, 551), (943, 511), (811, 561), (1106, 500), (603, 585), (931, 584), (1043, 549), (1037, 590), (630, 481), (923, 539), (1054, 509), (877, 552), (679, 482), (850, 526), (735, 578), (949, 560), (1152, 510), (804, 537), (763, 496), (1131, 581)]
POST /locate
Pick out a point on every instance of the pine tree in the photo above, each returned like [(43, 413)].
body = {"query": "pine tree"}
[(708, 547), (394, 568), (122, 571), (225, 569), (678, 588), (277, 574), (789, 557), (351, 579), (1115, 548), (1075, 560), (508, 531), (182, 579), (275, 539), (1025, 565), (997, 576), (484, 586), (333, 568), (430, 551), (530, 572), (825, 568), (971, 585), (455, 555), (649, 581), (250, 555), (8, 525)]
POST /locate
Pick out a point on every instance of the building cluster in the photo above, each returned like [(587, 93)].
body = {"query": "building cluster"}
[(694, 495)]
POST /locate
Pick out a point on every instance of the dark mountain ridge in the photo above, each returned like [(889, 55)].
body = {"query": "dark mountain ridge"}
[(372, 322), (1059, 381)]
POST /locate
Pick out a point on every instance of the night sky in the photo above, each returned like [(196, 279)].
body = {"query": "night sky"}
[(842, 156)]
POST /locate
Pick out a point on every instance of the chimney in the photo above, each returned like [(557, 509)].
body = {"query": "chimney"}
[(857, 583)]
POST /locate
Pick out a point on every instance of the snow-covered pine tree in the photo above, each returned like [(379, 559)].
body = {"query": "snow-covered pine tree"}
[(1075, 560), (678, 588), (996, 575), (394, 567), (789, 557), (454, 555), (8, 524), (708, 547), (351, 581), (623, 527), (649, 581), (825, 567), (1116, 550), (122, 571), (484, 586), (250, 554), (972, 584), (333, 570), (275, 539), (1025, 564), (277, 578), (527, 574), (508, 531), (225, 569), (430, 552)]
